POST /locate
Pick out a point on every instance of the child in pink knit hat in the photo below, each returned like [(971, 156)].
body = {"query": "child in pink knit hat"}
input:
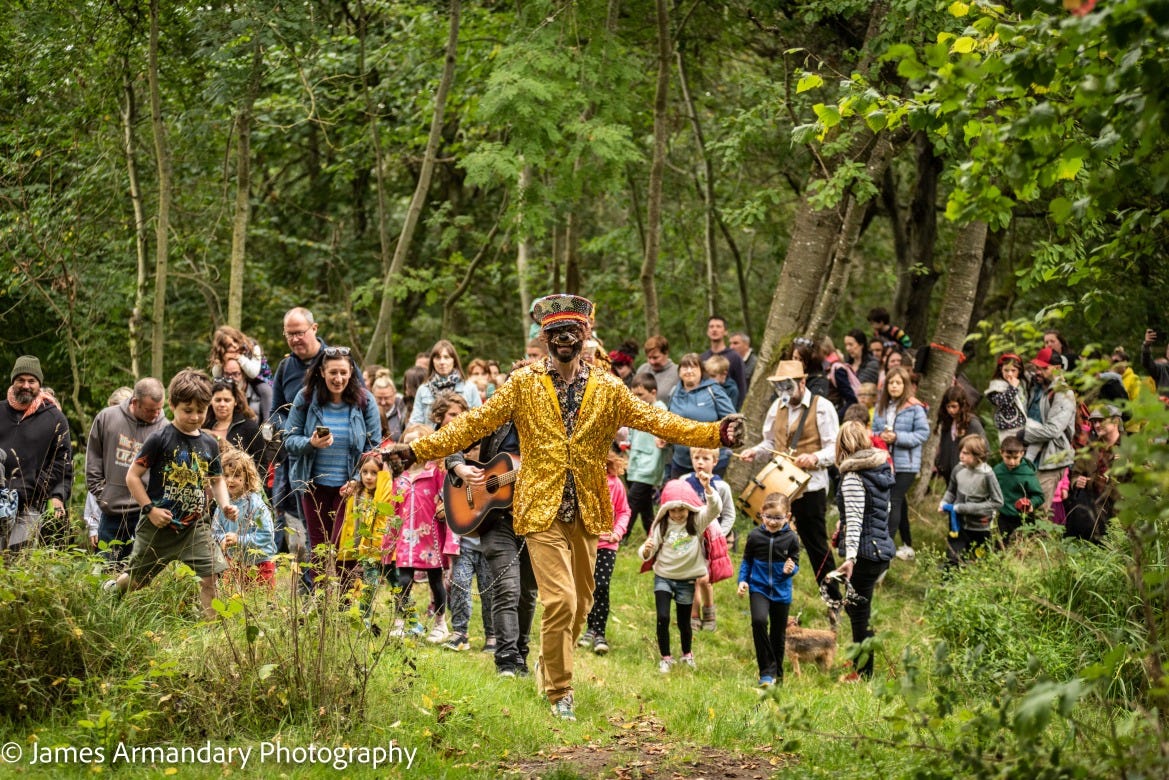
[(675, 547)]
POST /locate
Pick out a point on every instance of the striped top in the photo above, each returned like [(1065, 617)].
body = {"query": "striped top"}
[(331, 466), (852, 490)]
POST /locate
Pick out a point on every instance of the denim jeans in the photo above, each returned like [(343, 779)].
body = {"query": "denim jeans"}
[(471, 561), (513, 597), (115, 527)]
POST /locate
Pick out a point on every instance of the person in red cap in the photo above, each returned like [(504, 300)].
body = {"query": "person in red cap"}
[(1051, 420), (566, 414)]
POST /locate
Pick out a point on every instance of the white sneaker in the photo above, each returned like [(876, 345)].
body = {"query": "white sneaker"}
[(438, 635), (665, 665), (905, 553)]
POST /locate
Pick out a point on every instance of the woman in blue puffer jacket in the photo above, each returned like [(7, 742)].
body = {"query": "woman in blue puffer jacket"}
[(901, 422), (699, 398)]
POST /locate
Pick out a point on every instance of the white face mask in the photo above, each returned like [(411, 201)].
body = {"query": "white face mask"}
[(784, 390)]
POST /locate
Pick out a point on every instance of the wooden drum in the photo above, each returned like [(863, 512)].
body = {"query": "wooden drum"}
[(781, 475)]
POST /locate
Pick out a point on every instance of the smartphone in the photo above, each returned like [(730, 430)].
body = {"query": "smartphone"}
[(322, 431)]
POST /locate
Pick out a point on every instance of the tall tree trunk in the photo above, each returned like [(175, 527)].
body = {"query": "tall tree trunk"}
[(815, 234), (572, 251), (129, 120), (522, 258), (709, 217), (381, 348), (557, 248), (920, 270), (162, 229), (951, 331), (990, 260), (383, 232), (850, 232), (243, 190), (653, 228)]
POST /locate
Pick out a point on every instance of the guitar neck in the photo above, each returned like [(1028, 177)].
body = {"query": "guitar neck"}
[(509, 477)]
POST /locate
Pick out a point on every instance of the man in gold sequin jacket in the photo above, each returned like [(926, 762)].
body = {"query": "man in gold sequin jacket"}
[(566, 414)]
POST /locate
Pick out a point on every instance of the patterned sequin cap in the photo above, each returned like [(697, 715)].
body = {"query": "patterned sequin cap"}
[(561, 309)]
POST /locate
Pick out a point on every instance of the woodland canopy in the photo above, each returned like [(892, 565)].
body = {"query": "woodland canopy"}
[(416, 170)]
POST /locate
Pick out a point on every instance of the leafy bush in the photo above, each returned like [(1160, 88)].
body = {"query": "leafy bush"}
[(59, 630), (270, 662)]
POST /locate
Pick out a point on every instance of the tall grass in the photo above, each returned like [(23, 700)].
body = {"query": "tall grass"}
[(1024, 664)]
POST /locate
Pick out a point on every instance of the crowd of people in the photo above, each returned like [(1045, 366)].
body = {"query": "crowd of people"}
[(329, 463)]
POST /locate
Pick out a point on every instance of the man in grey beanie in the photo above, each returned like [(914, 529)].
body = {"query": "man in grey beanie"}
[(34, 435)]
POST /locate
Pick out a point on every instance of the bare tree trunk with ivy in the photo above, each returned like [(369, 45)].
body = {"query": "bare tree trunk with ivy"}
[(951, 331), (162, 228), (381, 348), (243, 191), (129, 119), (653, 230)]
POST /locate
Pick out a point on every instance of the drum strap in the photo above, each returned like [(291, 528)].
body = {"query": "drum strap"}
[(794, 440)]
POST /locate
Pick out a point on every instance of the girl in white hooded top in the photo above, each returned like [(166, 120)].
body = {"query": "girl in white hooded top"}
[(675, 547)]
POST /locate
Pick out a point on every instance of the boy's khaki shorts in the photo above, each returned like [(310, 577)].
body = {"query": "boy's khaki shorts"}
[(155, 547)]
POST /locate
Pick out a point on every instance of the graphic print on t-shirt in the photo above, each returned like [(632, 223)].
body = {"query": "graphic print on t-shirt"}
[(182, 488), (181, 467)]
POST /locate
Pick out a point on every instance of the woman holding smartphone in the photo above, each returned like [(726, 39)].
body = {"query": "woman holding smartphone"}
[(333, 420)]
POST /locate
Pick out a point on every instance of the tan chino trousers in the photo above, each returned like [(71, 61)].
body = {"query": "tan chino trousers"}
[(563, 558)]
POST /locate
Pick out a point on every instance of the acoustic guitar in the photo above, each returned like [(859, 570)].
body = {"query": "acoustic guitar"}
[(467, 504)]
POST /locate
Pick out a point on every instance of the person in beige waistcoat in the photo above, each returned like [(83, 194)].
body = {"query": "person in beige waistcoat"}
[(805, 425)]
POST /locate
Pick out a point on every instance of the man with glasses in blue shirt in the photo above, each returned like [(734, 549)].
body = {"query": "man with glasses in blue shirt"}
[(300, 331)]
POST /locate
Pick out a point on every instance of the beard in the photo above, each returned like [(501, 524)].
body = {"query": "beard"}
[(24, 395), (572, 354)]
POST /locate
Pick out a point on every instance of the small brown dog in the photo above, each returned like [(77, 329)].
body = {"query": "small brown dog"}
[(809, 644)]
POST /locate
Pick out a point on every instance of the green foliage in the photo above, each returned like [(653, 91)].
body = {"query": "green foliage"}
[(270, 662), (60, 632)]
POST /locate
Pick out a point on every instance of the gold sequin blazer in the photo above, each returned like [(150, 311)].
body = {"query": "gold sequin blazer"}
[(529, 399)]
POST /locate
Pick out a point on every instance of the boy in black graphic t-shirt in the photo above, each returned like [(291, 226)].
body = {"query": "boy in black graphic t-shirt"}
[(183, 462)]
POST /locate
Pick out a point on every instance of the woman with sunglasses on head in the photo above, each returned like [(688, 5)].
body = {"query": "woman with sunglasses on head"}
[(231, 420), (333, 420), (444, 372)]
